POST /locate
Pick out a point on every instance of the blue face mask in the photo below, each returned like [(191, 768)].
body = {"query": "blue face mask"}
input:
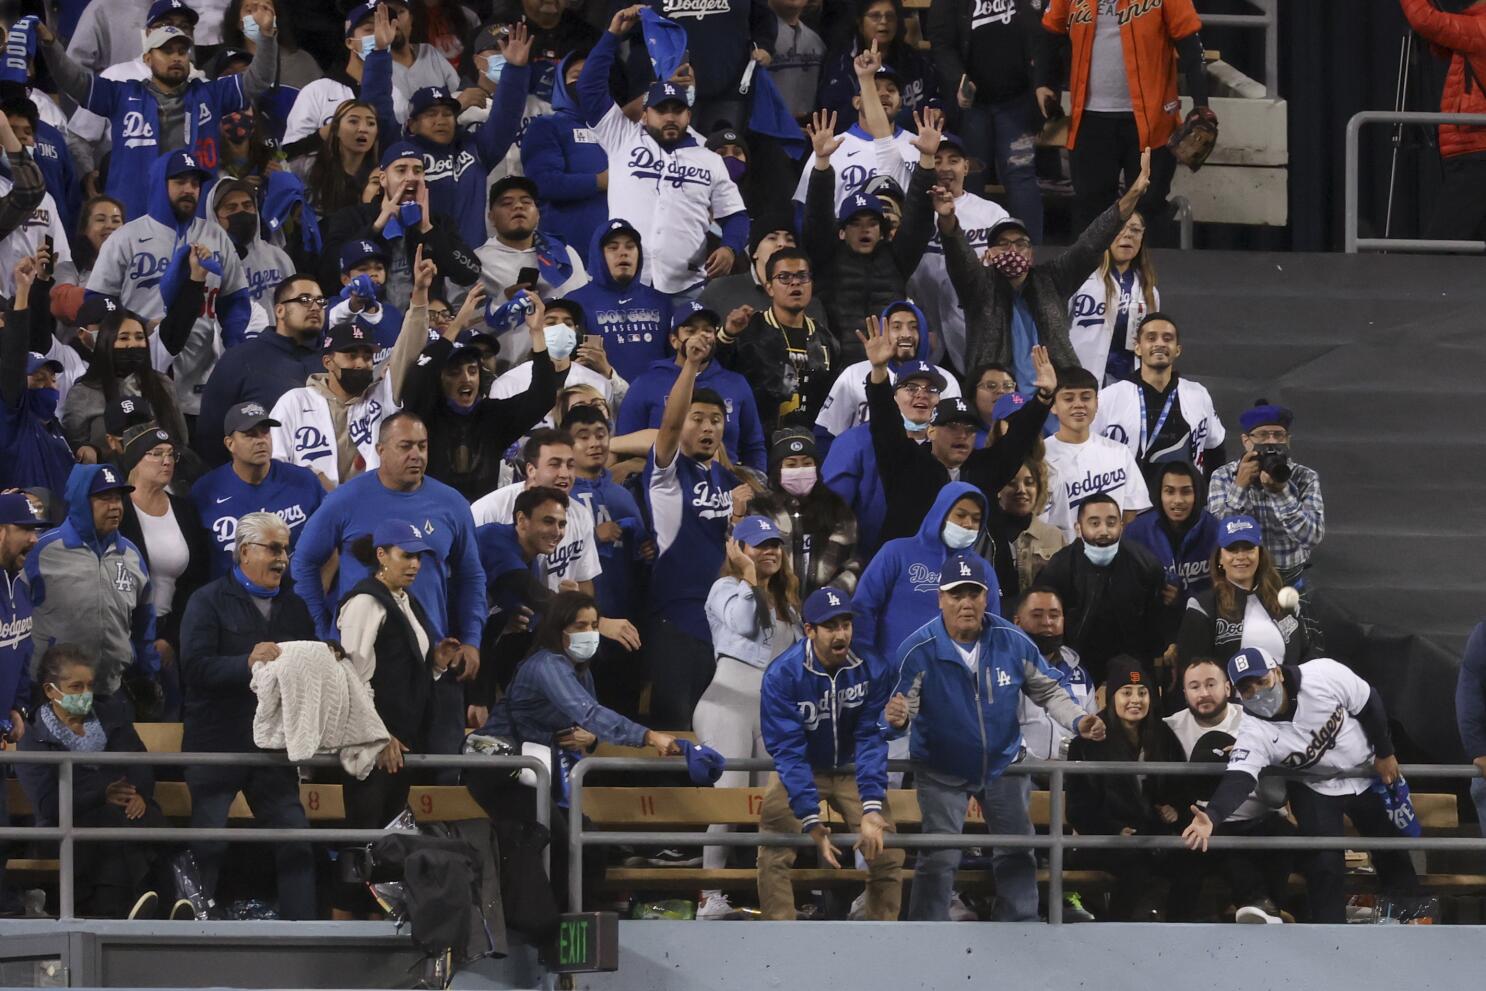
[(562, 340), (1100, 557), (44, 402), (80, 704), (582, 646), (251, 31), (368, 45), (914, 428), (495, 67), (956, 537)]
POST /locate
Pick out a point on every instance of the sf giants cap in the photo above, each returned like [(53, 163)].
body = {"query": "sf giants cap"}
[(825, 604), (964, 569), (349, 337), (1251, 662)]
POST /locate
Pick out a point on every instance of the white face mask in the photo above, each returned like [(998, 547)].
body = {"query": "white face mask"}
[(1100, 557), (914, 428), (583, 645), (494, 67), (368, 45), (956, 537), (562, 340), (797, 481)]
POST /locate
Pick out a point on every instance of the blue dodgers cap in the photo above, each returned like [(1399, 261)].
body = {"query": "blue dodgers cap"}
[(949, 141), (164, 8), (1007, 405), (363, 12), (756, 530), (356, 252), (824, 605), (659, 93), (704, 764), (919, 370), (884, 72), (402, 534), (429, 97), (400, 149), (108, 479), (1239, 529), (1251, 662), (616, 227), (964, 568), (689, 311), (182, 162), (17, 510), (36, 362), (858, 203), (1264, 414)]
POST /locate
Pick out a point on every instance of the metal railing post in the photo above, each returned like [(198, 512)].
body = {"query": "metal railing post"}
[(1272, 50), (67, 852), (544, 813), (1351, 242), (575, 834), (1183, 208), (1055, 853)]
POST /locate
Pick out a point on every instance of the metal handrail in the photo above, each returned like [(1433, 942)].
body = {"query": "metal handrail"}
[(1268, 20), (1055, 842), (1353, 194), (67, 833)]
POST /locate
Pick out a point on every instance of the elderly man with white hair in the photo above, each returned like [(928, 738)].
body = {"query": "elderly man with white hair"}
[(231, 625)]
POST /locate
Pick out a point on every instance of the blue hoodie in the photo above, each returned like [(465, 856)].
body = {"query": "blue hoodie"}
[(1188, 567), (635, 319), (617, 587), (899, 591), (55, 161), (743, 431), (561, 151), (818, 721)]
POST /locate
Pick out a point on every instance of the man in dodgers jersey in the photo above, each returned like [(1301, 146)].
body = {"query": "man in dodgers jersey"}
[(252, 483), (661, 178), (1081, 463), (860, 155), (1322, 717), (690, 498)]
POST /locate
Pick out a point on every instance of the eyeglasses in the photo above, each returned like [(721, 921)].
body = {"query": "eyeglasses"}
[(273, 549), (915, 390), (308, 301), (1021, 242), (997, 387), (792, 278), (440, 316), (167, 456)]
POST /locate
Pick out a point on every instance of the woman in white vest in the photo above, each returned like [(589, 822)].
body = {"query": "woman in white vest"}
[(1105, 313)]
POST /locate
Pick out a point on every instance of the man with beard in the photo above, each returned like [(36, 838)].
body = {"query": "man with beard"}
[(1040, 616), (1158, 414), (89, 585), (146, 264), (1111, 590), (168, 111), (267, 366), (661, 179), (1181, 535), (330, 424)]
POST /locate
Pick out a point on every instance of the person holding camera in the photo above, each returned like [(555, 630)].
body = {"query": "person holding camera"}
[(1283, 496)]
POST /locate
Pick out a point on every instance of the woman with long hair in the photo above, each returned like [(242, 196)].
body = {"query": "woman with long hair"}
[(337, 172), (817, 526), (1023, 543), (120, 366), (754, 612), (1105, 314), (99, 217), (1127, 805), (1242, 608)]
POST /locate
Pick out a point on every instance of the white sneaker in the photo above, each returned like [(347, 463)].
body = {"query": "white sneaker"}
[(1255, 915), (858, 911), (959, 912), (715, 907)]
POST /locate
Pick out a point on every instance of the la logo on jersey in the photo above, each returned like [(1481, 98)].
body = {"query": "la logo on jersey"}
[(1002, 679)]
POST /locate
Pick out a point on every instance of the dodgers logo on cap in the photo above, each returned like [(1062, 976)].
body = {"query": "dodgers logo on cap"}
[(109, 304), (417, 534), (186, 159), (861, 200), (832, 598), (1239, 526), (965, 569), (357, 332), (671, 90), (108, 474)]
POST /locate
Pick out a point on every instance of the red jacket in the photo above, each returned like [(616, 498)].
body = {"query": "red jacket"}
[(1462, 39)]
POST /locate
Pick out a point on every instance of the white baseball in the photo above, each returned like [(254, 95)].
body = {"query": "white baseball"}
[(1289, 599)]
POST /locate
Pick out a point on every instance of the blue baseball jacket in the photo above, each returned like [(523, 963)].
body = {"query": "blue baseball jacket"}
[(561, 150), (743, 431), (816, 720), (967, 724), (899, 591), (635, 319), (850, 471), (15, 648), (1189, 566)]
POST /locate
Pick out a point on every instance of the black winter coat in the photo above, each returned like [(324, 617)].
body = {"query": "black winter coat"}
[(90, 782), (1109, 611), (1203, 634), (1102, 805), (168, 627)]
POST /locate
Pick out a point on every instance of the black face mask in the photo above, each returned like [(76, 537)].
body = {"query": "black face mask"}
[(355, 380), (1048, 644), (130, 361), (242, 228)]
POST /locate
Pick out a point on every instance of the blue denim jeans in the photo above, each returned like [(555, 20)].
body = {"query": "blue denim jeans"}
[(942, 802), (1006, 133)]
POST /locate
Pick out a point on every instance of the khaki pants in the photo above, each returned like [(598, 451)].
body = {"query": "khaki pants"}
[(839, 791)]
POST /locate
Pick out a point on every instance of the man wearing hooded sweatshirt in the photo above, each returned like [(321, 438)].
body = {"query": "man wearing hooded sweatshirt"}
[(846, 407), (632, 318), (662, 179), (86, 568), (166, 112), (1181, 535), (562, 149), (643, 406), (961, 678), (233, 204), (144, 266), (919, 470)]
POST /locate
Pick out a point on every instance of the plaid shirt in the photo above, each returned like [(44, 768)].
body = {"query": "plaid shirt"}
[(1293, 522)]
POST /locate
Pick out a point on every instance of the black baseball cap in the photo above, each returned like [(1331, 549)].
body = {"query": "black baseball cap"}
[(349, 337), (244, 417), (954, 409)]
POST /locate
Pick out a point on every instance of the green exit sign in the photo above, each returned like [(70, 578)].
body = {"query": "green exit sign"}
[(586, 942)]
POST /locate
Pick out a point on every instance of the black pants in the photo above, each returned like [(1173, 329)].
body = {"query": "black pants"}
[(110, 876), (506, 800), (1460, 212), (370, 804), (273, 796), (1109, 145), (681, 668), (1325, 870), (1252, 875)]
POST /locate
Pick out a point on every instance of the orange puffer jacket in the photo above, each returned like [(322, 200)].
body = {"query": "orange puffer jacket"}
[(1462, 39)]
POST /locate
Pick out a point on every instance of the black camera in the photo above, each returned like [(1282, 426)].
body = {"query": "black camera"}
[(1274, 461)]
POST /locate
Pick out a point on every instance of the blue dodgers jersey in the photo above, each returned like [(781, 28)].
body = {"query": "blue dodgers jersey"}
[(289, 492), (690, 504)]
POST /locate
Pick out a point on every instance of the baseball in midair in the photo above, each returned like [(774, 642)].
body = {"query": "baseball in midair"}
[(1289, 599)]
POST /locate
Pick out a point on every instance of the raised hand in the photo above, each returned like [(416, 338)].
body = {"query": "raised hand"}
[(474, 303), (1045, 376), (879, 346), (424, 270), (1143, 181), (625, 20), (517, 49), (943, 201), (928, 136), (868, 62), (25, 273), (741, 562), (822, 131), (382, 28), (196, 257), (267, 20), (737, 320)]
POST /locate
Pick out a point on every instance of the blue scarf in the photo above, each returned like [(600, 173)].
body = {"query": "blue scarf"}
[(93, 740), (253, 588)]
